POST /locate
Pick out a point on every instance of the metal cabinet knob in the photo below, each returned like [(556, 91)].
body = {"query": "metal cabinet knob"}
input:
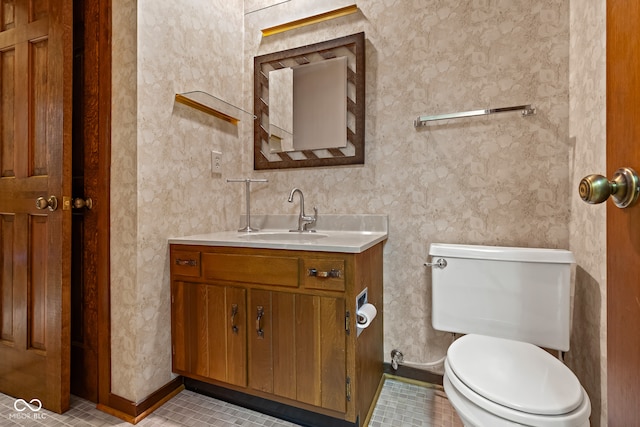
[(624, 188)]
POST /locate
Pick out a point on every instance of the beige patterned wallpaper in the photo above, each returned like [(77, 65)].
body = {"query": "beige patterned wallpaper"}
[(587, 128), (501, 180), (162, 183)]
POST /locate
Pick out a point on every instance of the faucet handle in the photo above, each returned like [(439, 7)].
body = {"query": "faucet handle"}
[(309, 220)]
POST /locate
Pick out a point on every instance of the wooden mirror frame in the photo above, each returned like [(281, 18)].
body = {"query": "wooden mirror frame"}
[(312, 53)]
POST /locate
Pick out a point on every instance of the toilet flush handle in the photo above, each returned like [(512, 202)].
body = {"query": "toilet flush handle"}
[(440, 263)]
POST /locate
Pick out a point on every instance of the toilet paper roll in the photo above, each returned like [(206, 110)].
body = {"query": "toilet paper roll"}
[(365, 315)]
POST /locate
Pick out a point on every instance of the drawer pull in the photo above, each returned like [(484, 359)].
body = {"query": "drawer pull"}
[(333, 273), (186, 262), (234, 312), (259, 329)]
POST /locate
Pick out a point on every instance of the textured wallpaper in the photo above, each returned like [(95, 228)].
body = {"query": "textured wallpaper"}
[(162, 184), (588, 222), (501, 180), (504, 179), (124, 218)]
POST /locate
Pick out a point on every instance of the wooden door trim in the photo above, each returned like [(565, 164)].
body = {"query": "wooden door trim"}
[(103, 22), (132, 412), (108, 402)]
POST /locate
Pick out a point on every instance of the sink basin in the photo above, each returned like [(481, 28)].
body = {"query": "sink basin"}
[(284, 237)]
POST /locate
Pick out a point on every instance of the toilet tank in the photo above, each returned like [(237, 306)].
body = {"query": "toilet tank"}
[(515, 293)]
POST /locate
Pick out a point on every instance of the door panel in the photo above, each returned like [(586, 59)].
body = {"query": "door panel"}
[(236, 338), (284, 345), (35, 41), (307, 344), (260, 346), (623, 225), (333, 357)]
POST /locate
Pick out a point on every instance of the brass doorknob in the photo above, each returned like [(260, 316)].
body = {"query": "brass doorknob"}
[(79, 203), (624, 188), (51, 203)]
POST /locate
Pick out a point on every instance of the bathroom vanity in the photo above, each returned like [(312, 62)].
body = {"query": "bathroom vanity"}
[(268, 320)]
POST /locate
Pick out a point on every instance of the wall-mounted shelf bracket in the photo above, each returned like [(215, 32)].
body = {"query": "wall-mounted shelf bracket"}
[(525, 110), (213, 105)]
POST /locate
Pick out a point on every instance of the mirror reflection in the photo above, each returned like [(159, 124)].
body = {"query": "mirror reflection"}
[(309, 103), (308, 106)]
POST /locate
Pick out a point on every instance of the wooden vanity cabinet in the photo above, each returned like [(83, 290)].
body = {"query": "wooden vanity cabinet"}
[(279, 325)]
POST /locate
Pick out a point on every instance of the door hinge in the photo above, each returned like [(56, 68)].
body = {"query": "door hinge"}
[(347, 323), (348, 389)]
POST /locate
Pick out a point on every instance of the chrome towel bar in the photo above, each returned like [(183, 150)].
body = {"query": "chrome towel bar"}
[(526, 110)]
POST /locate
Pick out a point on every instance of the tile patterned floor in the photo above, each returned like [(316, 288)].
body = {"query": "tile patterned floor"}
[(400, 404)]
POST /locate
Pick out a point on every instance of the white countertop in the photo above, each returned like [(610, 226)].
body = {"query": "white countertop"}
[(335, 233)]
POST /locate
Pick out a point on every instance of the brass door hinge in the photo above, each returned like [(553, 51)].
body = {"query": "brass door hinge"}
[(348, 389)]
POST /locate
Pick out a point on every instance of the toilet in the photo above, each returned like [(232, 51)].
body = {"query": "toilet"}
[(510, 303)]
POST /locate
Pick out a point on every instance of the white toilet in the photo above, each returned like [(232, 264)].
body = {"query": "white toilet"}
[(508, 301)]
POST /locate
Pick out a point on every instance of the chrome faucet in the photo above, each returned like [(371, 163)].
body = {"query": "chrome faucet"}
[(303, 220)]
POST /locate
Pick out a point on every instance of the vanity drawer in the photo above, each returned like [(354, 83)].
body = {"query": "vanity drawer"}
[(325, 274), (185, 263), (262, 269)]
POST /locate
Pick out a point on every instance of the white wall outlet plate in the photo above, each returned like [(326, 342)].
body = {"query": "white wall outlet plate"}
[(216, 162)]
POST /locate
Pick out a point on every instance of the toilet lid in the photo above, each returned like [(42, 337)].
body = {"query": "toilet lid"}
[(514, 374)]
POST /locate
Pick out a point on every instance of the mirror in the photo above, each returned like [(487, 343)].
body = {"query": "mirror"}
[(309, 103)]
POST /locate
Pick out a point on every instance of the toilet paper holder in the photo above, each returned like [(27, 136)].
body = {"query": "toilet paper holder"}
[(363, 322)]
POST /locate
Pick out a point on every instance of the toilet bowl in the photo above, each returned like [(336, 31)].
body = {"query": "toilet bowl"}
[(495, 382)]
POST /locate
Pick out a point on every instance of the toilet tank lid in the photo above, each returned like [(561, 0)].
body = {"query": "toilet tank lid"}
[(502, 253)]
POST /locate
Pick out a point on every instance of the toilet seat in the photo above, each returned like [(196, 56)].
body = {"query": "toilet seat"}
[(515, 381)]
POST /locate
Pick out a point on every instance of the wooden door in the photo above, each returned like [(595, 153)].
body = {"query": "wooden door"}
[(623, 225), (35, 159)]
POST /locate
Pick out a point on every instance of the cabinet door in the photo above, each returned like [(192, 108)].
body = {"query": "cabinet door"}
[(298, 349), (225, 334), (321, 351), (209, 331)]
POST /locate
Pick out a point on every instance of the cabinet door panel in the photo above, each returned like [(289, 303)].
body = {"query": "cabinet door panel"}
[(236, 338), (284, 345), (199, 329), (308, 324), (216, 332), (260, 350), (179, 320), (333, 354)]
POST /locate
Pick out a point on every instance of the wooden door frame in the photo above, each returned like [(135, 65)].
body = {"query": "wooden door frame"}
[(101, 25)]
